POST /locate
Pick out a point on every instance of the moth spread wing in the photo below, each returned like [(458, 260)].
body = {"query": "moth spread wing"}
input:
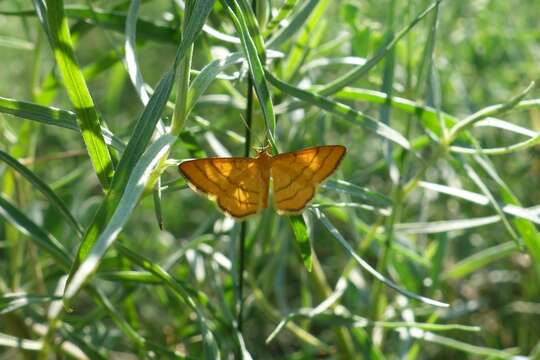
[(236, 184), (296, 175)]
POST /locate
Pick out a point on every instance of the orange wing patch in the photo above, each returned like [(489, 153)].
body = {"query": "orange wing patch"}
[(296, 175), (237, 185)]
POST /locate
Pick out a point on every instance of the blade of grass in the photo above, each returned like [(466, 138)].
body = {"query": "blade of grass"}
[(52, 116), (78, 92), (356, 74), (44, 189), (342, 111), (480, 260), (284, 11), (27, 227), (211, 349), (337, 235), (130, 197), (301, 236), (434, 227), (255, 67)]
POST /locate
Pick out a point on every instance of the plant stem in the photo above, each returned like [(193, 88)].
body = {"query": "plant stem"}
[(243, 225)]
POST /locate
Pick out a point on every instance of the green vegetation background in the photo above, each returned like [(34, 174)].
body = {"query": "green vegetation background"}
[(424, 244)]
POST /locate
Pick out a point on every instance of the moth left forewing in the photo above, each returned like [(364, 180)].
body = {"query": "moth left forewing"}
[(232, 183)]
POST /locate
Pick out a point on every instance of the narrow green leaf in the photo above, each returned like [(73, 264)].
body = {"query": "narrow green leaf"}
[(489, 111), (211, 349), (337, 235), (141, 136), (480, 259), (525, 228), (127, 202), (202, 81), (471, 173), (78, 93), (255, 67), (19, 343), (356, 74), (131, 59), (284, 11), (484, 352), (44, 189), (302, 239), (14, 301), (368, 196), (341, 110), (296, 23), (434, 227), (39, 236)]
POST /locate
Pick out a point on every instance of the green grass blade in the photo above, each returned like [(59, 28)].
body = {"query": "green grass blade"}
[(12, 302), (301, 236), (471, 173), (480, 260), (131, 59), (443, 226), (39, 236), (489, 111), (341, 110), (481, 351), (211, 349), (20, 343), (44, 189), (337, 235), (52, 116), (203, 80), (140, 138), (525, 228), (78, 93), (356, 74), (284, 11), (368, 196), (255, 67), (133, 191), (296, 23)]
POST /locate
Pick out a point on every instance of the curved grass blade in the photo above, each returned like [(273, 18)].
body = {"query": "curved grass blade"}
[(471, 173), (341, 110), (39, 236), (44, 189), (141, 136), (295, 24), (525, 228), (356, 74), (300, 232), (368, 196), (52, 116), (255, 67), (12, 302), (434, 227), (284, 11), (355, 321), (211, 349), (133, 191), (199, 85), (488, 112), (131, 58), (336, 234), (78, 92), (480, 351), (480, 260)]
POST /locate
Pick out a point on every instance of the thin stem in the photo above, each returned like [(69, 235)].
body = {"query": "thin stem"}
[(243, 225)]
